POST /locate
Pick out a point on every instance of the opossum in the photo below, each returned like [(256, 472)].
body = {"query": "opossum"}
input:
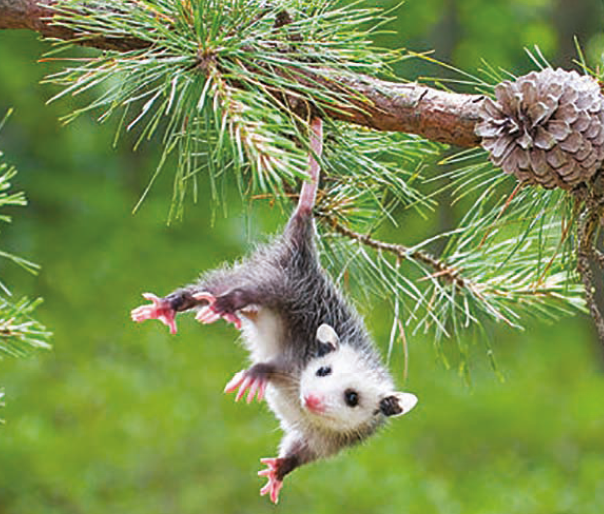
[(311, 355)]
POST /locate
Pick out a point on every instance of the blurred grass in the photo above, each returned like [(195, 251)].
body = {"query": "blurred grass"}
[(123, 418)]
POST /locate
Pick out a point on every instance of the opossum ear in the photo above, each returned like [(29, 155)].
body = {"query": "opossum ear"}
[(328, 339), (397, 404)]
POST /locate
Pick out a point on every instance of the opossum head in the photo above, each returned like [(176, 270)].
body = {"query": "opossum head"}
[(344, 390)]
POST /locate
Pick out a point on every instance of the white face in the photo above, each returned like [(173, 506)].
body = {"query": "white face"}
[(340, 391)]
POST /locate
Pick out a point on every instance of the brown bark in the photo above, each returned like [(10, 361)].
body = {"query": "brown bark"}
[(412, 108), (22, 14), (387, 106), (35, 15)]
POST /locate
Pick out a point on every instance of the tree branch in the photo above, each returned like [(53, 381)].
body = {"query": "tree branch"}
[(588, 257), (411, 108), (35, 15), (386, 106), (584, 261)]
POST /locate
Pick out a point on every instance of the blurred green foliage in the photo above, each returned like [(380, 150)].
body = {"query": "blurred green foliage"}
[(123, 418)]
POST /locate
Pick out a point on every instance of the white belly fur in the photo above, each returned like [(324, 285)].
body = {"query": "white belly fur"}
[(285, 408), (262, 331)]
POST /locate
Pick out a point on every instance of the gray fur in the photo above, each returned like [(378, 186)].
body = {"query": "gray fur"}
[(286, 276)]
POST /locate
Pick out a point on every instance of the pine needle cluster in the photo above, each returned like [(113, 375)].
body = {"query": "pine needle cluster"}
[(20, 333), (227, 84)]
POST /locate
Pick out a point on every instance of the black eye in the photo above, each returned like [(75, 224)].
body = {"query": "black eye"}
[(351, 397), (323, 371)]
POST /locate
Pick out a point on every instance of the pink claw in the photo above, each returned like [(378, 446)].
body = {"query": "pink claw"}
[(208, 297), (234, 319), (243, 382), (207, 314), (159, 309), (274, 484)]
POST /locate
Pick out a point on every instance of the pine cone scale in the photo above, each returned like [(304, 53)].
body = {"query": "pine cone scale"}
[(593, 131), (584, 152), (557, 157), (572, 143), (560, 130), (582, 122), (544, 140), (568, 113)]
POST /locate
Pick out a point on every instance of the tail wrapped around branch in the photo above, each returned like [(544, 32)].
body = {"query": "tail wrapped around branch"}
[(308, 194)]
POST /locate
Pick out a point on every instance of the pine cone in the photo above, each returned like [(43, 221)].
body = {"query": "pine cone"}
[(545, 128)]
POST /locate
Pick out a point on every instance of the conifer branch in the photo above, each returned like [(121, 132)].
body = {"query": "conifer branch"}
[(385, 106), (20, 333)]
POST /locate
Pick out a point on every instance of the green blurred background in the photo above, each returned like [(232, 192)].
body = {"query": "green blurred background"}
[(123, 418)]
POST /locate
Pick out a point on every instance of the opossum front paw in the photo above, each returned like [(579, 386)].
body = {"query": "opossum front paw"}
[(247, 381), (159, 309), (274, 484), (212, 312)]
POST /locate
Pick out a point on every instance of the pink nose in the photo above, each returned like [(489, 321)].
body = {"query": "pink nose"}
[(313, 403)]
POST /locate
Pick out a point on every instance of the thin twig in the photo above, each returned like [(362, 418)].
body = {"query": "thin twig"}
[(441, 269)]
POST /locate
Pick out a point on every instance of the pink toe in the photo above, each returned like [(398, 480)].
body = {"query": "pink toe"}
[(235, 382), (275, 491), (210, 298), (203, 316), (214, 318), (252, 392), (140, 313), (269, 461), (151, 297), (172, 325), (136, 316), (234, 319), (207, 316), (274, 485), (243, 388), (261, 391)]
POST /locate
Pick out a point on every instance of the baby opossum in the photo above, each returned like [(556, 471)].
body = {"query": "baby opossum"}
[(311, 355)]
